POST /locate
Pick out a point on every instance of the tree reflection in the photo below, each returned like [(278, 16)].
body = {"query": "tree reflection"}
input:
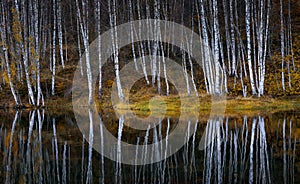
[(238, 150)]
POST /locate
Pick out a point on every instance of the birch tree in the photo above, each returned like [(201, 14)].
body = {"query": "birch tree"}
[(4, 49), (282, 45), (114, 36), (83, 22), (232, 31), (98, 19), (208, 63), (24, 48), (60, 32), (37, 52), (216, 47), (227, 34), (53, 49), (248, 33)]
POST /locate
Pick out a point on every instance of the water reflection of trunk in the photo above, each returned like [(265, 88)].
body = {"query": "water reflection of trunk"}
[(251, 150), (118, 173), (217, 139), (29, 166), (91, 140), (8, 165), (289, 151), (56, 151), (165, 151), (40, 152), (82, 159), (102, 150)]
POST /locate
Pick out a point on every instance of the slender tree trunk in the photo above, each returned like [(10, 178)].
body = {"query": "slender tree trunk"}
[(228, 45), (114, 36), (282, 44), (208, 62), (53, 49), (83, 22), (216, 48), (79, 46), (37, 52), (4, 48), (266, 37), (98, 18), (60, 32), (232, 30), (25, 53), (132, 35), (202, 54), (249, 49)]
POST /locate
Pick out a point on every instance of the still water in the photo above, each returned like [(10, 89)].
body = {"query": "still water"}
[(43, 147)]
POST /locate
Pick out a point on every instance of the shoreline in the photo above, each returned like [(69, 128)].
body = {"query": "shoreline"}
[(140, 105)]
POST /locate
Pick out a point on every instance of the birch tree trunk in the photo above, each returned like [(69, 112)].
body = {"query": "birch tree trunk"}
[(83, 22), (98, 19), (204, 68), (25, 53), (79, 46), (216, 48), (266, 37), (248, 33), (227, 35), (131, 34), (282, 44), (37, 52), (60, 33), (209, 68), (114, 36), (155, 44), (53, 49), (4, 49), (232, 30)]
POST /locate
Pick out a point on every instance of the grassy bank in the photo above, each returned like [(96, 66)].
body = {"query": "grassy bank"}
[(171, 105)]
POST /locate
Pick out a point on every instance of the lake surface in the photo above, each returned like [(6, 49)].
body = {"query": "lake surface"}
[(41, 147)]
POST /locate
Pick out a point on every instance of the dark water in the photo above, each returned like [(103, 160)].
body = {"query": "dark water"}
[(40, 147)]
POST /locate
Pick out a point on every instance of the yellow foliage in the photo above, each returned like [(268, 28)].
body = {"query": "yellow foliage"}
[(5, 77), (13, 70), (16, 26)]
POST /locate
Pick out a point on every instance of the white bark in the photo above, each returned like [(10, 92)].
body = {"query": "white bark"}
[(227, 35), (25, 53), (4, 49), (60, 32), (83, 22), (216, 48), (208, 62), (155, 44), (232, 30), (190, 46), (53, 49), (79, 47), (98, 18), (37, 52), (248, 33), (282, 44), (131, 34), (114, 36), (262, 80), (141, 48)]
